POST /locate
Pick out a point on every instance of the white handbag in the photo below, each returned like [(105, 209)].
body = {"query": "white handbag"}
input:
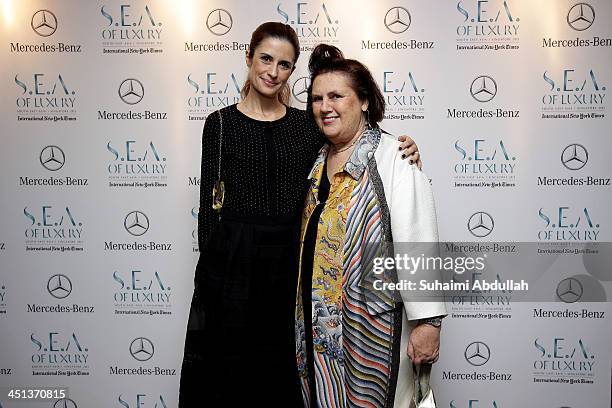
[(423, 396)]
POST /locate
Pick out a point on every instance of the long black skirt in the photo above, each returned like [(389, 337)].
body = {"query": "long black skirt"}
[(240, 342)]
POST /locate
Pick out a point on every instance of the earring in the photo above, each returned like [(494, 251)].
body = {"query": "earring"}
[(367, 114)]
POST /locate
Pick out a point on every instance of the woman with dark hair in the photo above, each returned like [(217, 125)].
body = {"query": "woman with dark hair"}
[(353, 343), (239, 346)]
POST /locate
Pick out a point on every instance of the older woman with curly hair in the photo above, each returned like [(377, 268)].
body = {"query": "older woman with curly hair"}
[(356, 348)]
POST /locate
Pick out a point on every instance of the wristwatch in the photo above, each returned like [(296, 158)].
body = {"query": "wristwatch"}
[(433, 321)]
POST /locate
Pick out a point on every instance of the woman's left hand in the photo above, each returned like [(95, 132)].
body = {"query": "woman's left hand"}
[(424, 344), (410, 150)]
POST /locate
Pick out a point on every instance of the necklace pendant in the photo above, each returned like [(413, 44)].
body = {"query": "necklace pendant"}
[(218, 195)]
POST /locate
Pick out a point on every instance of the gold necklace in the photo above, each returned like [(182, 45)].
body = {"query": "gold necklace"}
[(257, 113), (345, 148)]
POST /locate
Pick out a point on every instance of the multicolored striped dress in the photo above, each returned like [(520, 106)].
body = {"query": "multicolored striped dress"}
[(351, 348)]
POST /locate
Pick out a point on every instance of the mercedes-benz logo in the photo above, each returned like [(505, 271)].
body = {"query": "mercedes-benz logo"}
[(581, 16), (574, 156), (44, 23), (131, 91), (59, 286), (52, 158), (142, 349), (569, 290), (65, 403), (136, 223), (480, 224), (483, 88), (219, 22), (397, 20), (477, 353), (300, 89)]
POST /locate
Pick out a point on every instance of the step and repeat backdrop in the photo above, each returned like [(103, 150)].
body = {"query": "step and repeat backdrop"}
[(102, 109)]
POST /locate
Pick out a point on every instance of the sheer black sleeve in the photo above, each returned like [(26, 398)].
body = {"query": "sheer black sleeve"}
[(207, 217)]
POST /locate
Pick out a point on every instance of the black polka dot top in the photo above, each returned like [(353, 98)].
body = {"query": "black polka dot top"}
[(264, 165)]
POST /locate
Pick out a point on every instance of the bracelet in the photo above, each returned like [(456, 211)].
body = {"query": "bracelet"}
[(433, 321)]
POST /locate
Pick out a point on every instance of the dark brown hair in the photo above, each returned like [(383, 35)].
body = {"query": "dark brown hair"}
[(327, 58), (273, 29)]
